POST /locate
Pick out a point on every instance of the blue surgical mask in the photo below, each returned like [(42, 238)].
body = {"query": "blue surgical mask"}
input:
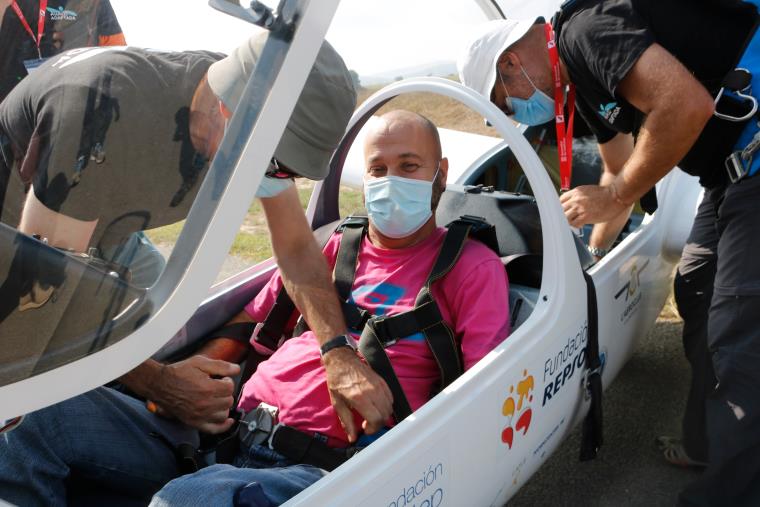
[(398, 206), (535, 110)]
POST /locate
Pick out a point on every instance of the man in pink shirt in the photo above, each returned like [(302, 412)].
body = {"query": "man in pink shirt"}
[(405, 175)]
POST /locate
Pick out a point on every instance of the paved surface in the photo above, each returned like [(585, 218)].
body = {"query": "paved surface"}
[(644, 401)]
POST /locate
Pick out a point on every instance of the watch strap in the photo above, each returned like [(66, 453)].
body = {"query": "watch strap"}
[(343, 340)]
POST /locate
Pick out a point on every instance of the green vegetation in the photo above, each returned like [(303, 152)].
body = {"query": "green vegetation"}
[(252, 242)]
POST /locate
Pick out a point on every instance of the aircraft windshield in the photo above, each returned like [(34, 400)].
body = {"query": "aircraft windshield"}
[(104, 153)]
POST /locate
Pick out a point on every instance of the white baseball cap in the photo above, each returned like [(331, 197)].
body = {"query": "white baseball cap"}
[(477, 63)]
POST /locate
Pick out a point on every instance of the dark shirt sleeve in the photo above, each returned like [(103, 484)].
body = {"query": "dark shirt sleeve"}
[(599, 45), (107, 22), (604, 42)]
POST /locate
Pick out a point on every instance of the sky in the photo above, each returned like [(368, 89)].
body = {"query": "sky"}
[(372, 36)]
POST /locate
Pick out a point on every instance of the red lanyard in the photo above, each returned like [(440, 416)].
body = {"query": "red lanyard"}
[(40, 22), (564, 138)]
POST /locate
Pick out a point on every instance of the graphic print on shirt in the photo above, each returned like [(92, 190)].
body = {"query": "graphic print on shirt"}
[(609, 111), (61, 14), (378, 299)]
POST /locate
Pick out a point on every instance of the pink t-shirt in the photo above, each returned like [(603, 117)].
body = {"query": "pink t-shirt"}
[(472, 298)]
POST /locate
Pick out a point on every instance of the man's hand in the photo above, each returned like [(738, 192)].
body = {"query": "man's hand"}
[(197, 391), (354, 385), (591, 204)]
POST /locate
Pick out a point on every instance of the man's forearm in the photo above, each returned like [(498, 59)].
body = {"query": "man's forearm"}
[(303, 268), (615, 153), (676, 107), (143, 378), (659, 148), (306, 277)]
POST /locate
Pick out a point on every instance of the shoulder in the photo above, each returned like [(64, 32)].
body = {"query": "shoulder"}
[(477, 260), (601, 42)]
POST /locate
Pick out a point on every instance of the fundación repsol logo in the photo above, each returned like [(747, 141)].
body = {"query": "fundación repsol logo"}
[(60, 14), (609, 111), (518, 413)]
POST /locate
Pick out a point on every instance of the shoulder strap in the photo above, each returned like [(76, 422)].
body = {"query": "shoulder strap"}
[(425, 318), (273, 326), (353, 228)]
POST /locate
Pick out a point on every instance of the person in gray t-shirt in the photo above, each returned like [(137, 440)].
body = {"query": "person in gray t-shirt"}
[(116, 140)]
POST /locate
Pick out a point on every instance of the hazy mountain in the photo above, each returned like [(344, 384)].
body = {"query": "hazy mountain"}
[(441, 69)]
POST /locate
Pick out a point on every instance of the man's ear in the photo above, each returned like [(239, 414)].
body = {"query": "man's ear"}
[(443, 168), (508, 63)]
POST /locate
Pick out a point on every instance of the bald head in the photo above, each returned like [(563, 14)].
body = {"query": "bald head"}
[(406, 131), (406, 144)]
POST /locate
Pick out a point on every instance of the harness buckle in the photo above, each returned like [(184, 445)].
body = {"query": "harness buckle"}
[(739, 163), (735, 167), (257, 426), (586, 380), (353, 221)]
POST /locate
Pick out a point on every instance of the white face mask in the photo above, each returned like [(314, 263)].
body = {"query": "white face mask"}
[(398, 206)]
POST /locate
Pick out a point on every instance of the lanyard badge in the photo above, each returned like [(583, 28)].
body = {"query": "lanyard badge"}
[(564, 137), (40, 23)]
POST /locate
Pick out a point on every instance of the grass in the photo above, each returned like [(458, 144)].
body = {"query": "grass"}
[(252, 242)]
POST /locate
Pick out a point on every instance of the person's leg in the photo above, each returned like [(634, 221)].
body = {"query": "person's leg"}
[(733, 409), (104, 437), (268, 480), (693, 289), (143, 259)]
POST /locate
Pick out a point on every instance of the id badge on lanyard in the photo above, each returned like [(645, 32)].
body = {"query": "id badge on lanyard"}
[(33, 63)]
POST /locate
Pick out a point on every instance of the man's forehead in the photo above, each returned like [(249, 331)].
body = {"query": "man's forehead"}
[(409, 141), (380, 154)]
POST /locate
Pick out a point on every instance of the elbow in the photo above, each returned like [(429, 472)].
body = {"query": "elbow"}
[(703, 109)]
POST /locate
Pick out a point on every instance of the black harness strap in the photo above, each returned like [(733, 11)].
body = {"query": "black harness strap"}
[(301, 447), (373, 350), (274, 324), (439, 336), (425, 318), (353, 229), (591, 434), (348, 255), (240, 331)]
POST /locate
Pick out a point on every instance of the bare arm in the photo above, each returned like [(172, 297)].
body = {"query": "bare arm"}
[(198, 391), (676, 106), (615, 154), (306, 277)]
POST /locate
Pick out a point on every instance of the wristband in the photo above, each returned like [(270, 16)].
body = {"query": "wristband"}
[(343, 340)]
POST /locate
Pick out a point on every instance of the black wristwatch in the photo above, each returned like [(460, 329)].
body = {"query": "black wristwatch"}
[(343, 340)]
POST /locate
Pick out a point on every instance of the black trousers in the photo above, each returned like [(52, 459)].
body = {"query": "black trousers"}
[(718, 295)]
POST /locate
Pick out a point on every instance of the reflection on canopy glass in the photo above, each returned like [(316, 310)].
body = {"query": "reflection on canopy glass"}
[(98, 145)]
